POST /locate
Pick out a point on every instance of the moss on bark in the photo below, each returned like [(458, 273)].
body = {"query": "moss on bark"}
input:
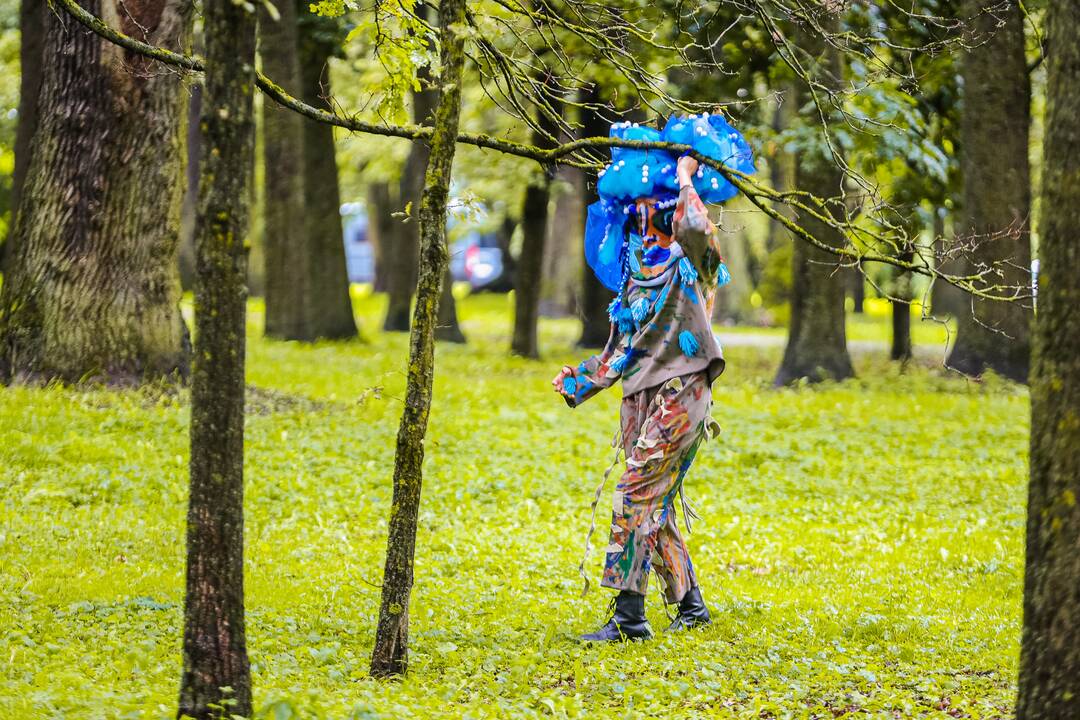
[(215, 644), (92, 285), (1050, 646), (390, 654)]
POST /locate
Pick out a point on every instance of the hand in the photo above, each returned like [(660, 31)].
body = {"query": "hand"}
[(685, 170), (557, 382)]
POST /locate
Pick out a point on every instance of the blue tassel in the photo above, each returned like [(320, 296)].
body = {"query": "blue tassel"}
[(687, 272), (688, 343), (620, 364), (723, 277), (625, 320), (613, 310), (639, 309)]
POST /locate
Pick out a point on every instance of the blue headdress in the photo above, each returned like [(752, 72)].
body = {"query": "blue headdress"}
[(634, 174)]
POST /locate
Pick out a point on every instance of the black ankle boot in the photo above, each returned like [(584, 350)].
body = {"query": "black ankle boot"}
[(692, 612), (627, 622)]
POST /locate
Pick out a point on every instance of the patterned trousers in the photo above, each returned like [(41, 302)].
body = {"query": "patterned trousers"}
[(661, 429)]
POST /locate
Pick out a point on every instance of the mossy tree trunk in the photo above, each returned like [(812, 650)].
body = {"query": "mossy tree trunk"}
[(331, 314), (530, 265), (286, 243), (997, 189), (595, 325), (817, 341), (391, 652), (215, 646), (1050, 646), (31, 40), (92, 287)]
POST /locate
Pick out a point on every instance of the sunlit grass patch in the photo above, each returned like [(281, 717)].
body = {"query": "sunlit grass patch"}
[(861, 543)]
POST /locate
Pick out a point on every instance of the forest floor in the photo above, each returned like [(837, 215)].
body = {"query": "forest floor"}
[(861, 543)]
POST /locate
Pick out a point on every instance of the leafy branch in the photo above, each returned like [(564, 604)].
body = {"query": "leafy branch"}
[(864, 237)]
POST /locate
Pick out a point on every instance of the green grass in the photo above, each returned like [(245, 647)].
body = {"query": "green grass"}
[(861, 543)]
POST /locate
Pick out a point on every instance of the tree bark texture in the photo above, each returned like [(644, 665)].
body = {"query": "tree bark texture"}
[(595, 325), (331, 314), (448, 329), (403, 249), (215, 645), (404, 242), (92, 286), (286, 242), (563, 249), (817, 342), (189, 208), (997, 190), (1050, 646), (530, 265), (901, 307), (380, 230), (31, 40), (390, 655)]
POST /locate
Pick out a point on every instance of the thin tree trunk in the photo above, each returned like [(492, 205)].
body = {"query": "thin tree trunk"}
[(31, 40), (858, 289), (817, 342), (404, 248), (92, 286), (402, 259), (190, 206), (285, 234), (380, 231), (331, 314), (448, 329), (390, 654), (563, 254), (534, 221), (901, 313), (215, 646), (997, 190), (595, 325), (1050, 646)]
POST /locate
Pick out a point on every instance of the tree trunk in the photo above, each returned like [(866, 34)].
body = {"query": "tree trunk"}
[(285, 234), (563, 255), (31, 40), (189, 208), (331, 314), (92, 286), (858, 290), (1050, 646), (901, 307), (530, 265), (404, 247), (901, 321), (380, 231), (215, 646), (997, 190), (448, 329), (817, 342), (595, 325), (390, 654)]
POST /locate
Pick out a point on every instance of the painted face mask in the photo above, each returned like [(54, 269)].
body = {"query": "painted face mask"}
[(651, 238)]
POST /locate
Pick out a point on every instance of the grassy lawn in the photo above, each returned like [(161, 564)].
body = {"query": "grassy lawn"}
[(860, 547)]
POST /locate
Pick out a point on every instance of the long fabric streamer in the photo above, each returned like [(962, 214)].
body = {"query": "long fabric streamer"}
[(616, 442)]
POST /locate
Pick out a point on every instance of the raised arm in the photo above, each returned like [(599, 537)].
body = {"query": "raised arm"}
[(695, 233)]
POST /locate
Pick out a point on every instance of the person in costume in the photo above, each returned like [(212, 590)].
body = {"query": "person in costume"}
[(649, 239)]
